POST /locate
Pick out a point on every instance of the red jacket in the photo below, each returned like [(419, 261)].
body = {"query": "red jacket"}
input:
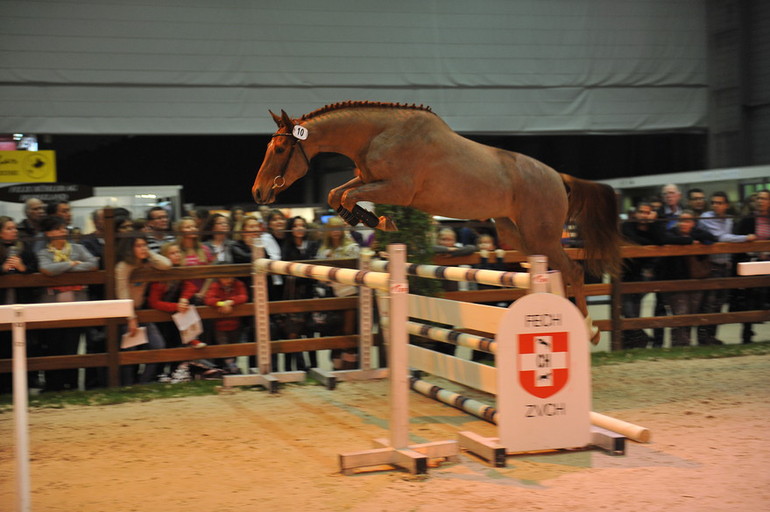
[(236, 292), (159, 289)]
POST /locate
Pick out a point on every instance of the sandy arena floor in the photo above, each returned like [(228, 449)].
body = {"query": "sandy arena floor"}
[(250, 450)]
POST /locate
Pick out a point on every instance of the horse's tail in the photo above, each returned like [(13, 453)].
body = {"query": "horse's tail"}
[(594, 209)]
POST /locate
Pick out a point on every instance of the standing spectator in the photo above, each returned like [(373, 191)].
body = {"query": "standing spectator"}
[(64, 210), (637, 231), (216, 236), (157, 228), (666, 217), (34, 211), (167, 296), (251, 230), (16, 258), (685, 232), (758, 225), (194, 253), (337, 243), (223, 294), (237, 214), (720, 225), (134, 253), (96, 338), (272, 239), (696, 201), (297, 246), (60, 256)]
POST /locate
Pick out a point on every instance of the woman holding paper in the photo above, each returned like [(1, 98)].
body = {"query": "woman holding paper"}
[(133, 253)]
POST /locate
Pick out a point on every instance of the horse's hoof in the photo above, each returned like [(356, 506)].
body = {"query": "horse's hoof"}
[(386, 224), (596, 335)]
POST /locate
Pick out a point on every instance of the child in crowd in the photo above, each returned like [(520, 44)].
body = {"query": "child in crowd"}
[(223, 294)]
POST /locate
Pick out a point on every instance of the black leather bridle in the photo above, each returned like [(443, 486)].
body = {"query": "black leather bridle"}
[(279, 181)]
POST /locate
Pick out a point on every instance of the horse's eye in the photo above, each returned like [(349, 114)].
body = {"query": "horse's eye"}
[(279, 150)]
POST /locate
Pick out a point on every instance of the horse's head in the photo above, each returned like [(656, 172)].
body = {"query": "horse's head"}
[(285, 160)]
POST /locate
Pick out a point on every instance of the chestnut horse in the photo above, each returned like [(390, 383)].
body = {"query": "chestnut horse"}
[(408, 156)]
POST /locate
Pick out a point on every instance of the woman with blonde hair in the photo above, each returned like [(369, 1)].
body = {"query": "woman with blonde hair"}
[(337, 243)]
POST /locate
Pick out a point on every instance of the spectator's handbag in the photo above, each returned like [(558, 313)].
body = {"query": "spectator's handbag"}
[(700, 266)]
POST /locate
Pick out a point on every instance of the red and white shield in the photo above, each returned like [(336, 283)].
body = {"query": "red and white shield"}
[(543, 362)]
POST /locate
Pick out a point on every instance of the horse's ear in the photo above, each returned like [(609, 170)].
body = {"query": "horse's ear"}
[(286, 119), (277, 119)]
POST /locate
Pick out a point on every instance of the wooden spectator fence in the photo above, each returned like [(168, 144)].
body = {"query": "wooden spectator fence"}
[(113, 358)]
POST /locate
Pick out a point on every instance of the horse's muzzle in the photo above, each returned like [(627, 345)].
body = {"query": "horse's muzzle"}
[(263, 199)]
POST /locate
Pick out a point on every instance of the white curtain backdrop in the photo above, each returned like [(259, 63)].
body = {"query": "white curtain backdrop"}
[(217, 66)]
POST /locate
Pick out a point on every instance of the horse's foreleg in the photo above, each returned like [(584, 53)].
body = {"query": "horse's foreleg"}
[(380, 192), (335, 201), (335, 194)]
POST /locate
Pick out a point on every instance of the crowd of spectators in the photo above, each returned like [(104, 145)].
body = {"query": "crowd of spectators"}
[(699, 221), (45, 241)]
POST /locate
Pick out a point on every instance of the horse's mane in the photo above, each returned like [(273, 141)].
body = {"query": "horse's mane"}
[(363, 104)]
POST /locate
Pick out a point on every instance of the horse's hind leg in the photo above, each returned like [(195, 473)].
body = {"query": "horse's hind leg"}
[(549, 245)]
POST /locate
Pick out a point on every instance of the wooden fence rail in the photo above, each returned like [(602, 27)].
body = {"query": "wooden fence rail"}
[(114, 357)]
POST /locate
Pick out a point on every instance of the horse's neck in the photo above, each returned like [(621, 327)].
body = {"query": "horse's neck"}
[(348, 132)]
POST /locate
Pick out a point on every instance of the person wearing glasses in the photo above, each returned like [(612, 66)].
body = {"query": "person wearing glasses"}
[(717, 222), (158, 232)]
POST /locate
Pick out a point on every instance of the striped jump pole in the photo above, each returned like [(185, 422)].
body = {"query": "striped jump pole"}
[(474, 275)]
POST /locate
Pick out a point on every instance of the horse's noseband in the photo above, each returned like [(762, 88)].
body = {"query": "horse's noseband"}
[(279, 181)]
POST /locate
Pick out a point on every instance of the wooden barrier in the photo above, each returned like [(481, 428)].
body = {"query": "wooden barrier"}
[(114, 358)]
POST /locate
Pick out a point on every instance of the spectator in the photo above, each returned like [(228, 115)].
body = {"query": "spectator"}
[(167, 296), (60, 256), (337, 243), (157, 228), (447, 245), (194, 253), (134, 253), (237, 214), (666, 219), (216, 237), (223, 294), (637, 231), (685, 232), (34, 211), (297, 246), (696, 201), (487, 245), (717, 222), (251, 230), (61, 209), (758, 225), (272, 239), (16, 258), (96, 337)]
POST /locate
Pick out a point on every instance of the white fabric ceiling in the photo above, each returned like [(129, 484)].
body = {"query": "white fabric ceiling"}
[(217, 66)]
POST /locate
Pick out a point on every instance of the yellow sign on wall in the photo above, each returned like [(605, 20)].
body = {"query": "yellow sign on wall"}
[(27, 166)]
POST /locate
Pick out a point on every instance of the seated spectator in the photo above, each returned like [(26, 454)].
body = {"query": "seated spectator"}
[(134, 253), (60, 256)]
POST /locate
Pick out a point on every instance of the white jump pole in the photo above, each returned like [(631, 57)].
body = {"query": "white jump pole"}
[(398, 355), (20, 409), (19, 316)]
